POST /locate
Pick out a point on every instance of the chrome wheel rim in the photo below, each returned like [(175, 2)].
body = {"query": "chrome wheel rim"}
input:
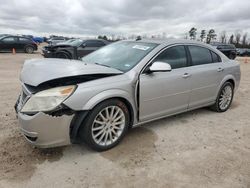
[(225, 97), (29, 50), (108, 125)]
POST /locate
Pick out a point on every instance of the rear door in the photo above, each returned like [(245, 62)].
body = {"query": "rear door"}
[(206, 75), (165, 93), (22, 42)]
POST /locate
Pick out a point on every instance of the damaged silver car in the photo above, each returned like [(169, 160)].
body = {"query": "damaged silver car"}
[(120, 86)]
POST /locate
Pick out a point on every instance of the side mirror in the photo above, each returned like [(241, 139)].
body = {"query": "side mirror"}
[(83, 45), (160, 67)]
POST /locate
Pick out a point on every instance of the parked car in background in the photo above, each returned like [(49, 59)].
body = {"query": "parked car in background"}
[(243, 51), (2, 35), (73, 49), (19, 43), (120, 86), (38, 39), (228, 49), (54, 40)]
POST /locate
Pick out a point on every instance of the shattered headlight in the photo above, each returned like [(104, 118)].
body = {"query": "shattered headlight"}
[(47, 100)]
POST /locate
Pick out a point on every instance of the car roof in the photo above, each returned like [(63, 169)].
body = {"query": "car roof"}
[(171, 41)]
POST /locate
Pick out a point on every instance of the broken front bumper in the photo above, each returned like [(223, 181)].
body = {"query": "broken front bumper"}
[(44, 130)]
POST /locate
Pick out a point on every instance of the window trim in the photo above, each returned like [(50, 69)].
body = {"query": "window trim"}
[(15, 39), (149, 63), (27, 39), (201, 47), (220, 60), (94, 41)]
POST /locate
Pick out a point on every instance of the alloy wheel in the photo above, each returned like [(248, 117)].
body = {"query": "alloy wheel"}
[(108, 125), (225, 97)]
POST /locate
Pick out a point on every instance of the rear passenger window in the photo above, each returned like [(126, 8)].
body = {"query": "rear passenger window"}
[(175, 56), (216, 58), (24, 39), (200, 55)]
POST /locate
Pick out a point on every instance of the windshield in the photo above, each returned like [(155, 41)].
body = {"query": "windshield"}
[(122, 55)]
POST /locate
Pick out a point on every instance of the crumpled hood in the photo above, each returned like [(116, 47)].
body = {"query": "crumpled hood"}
[(37, 71)]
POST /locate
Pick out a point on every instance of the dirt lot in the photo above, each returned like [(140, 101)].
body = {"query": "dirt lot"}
[(196, 149)]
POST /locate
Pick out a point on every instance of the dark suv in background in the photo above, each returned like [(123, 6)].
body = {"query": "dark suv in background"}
[(73, 49), (228, 49), (20, 44)]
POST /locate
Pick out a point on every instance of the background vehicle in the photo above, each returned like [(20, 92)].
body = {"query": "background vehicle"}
[(73, 48), (38, 39), (121, 85), (21, 44), (243, 51), (228, 49), (54, 40)]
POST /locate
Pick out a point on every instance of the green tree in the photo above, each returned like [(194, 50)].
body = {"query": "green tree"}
[(192, 33), (211, 35), (203, 35)]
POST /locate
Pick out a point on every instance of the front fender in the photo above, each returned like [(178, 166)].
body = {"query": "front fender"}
[(112, 93)]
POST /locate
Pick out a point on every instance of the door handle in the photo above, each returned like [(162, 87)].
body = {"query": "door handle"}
[(186, 75), (220, 69)]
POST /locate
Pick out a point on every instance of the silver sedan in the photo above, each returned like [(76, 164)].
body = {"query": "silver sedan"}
[(120, 86)]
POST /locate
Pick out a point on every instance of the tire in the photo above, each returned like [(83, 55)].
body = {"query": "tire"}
[(106, 134), (232, 56), (226, 92), (29, 49), (62, 55)]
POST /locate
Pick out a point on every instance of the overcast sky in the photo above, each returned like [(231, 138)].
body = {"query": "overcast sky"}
[(122, 17)]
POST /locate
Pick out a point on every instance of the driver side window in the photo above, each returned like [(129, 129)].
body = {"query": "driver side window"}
[(174, 56)]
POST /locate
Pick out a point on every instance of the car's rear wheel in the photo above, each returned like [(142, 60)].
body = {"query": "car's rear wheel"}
[(29, 49), (62, 55), (225, 98), (232, 56), (106, 125)]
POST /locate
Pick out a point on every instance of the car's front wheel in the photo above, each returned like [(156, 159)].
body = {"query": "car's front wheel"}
[(106, 125), (224, 98), (62, 55)]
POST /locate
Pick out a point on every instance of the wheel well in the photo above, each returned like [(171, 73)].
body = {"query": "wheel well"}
[(28, 45), (128, 105), (64, 52), (231, 81), (81, 116), (130, 109)]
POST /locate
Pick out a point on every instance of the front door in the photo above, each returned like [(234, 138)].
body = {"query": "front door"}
[(165, 93)]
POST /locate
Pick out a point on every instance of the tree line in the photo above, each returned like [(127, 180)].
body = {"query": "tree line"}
[(238, 39)]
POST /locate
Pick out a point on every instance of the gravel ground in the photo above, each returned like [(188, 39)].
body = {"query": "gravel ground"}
[(195, 149)]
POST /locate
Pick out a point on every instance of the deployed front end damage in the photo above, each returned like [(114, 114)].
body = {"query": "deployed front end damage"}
[(44, 119), (43, 130)]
